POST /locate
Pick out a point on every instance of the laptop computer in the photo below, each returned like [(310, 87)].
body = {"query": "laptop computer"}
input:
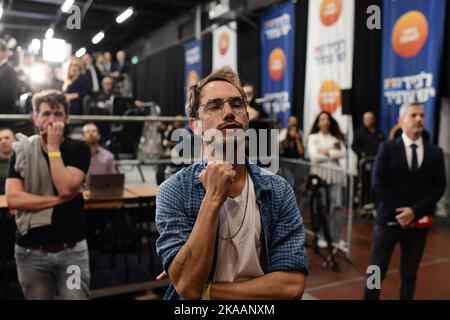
[(106, 185)]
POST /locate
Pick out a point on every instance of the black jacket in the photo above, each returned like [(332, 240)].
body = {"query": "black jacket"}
[(8, 89), (366, 143), (397, 187)]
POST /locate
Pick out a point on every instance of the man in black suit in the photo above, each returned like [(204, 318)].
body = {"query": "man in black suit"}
[(409, 178), (93, 74), (121, 65), (8, 83)]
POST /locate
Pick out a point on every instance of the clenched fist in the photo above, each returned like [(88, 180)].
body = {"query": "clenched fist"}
[(217, 179)]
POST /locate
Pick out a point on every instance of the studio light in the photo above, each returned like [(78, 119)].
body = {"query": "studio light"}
[(124, 15)]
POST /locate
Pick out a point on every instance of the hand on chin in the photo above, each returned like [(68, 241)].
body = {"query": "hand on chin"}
[(44, 135)]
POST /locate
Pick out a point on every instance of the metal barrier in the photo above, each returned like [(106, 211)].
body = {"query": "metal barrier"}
[(339, 190), (101, 118), (365, 197)]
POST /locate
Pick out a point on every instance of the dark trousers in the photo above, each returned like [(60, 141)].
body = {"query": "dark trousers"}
[(412, 244)]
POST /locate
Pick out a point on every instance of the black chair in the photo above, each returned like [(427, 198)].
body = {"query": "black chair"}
[(126, 139)]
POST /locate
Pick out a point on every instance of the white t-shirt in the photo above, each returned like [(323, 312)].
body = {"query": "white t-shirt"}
[(238, 258), (408, 150)]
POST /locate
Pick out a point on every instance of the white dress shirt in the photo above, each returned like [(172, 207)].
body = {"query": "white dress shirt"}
[(408, 150), (95, 83)]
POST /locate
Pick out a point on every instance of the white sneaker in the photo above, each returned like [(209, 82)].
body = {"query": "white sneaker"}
[(322, 243)]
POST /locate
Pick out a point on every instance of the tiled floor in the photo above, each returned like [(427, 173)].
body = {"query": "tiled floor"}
[(433, 281)]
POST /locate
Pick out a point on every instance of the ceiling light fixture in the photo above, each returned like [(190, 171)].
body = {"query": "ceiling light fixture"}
[(67, 5), (98, 37), (80, 52), (124, 15), (49, 34)]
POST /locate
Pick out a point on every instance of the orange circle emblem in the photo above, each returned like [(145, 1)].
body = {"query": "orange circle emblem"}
[(330, 11), (192, 78), (224, 43), (329, 96), (409, 34), (277, 64)]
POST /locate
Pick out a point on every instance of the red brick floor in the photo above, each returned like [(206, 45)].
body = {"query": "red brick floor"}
[(433, 279)]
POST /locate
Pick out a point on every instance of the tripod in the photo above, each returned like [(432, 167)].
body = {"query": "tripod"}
[(319, 221)]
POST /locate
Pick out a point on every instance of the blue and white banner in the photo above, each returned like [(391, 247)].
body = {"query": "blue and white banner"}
[(277, 50), (192, 62), (225, 46), (329, 60), (413, 33)]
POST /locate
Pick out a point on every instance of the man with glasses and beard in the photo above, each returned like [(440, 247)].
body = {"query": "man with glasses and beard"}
[(228, 229)]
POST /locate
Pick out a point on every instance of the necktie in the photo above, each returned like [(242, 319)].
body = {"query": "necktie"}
[(414, 163)]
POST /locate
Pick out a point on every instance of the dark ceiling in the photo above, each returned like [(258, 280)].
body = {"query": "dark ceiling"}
[(28, 19)]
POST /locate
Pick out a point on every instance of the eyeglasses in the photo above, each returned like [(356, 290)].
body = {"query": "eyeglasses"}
[(215, 106)]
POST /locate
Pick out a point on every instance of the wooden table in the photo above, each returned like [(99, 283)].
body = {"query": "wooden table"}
[(143, 191), (108, 202)]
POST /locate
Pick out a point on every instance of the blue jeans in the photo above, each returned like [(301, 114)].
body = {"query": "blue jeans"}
[(65, 274)]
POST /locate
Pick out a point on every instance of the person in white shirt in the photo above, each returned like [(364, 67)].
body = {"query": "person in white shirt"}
[(326, 142), (228, 230), (93, 73), (326, 147)]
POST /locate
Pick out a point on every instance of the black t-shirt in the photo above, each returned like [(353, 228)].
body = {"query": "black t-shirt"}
[(68, 220), (366, 143)]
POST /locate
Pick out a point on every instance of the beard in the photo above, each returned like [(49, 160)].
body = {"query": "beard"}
[(226, 145)]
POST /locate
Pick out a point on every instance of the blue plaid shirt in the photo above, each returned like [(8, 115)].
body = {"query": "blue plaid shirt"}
[(282, 233)]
